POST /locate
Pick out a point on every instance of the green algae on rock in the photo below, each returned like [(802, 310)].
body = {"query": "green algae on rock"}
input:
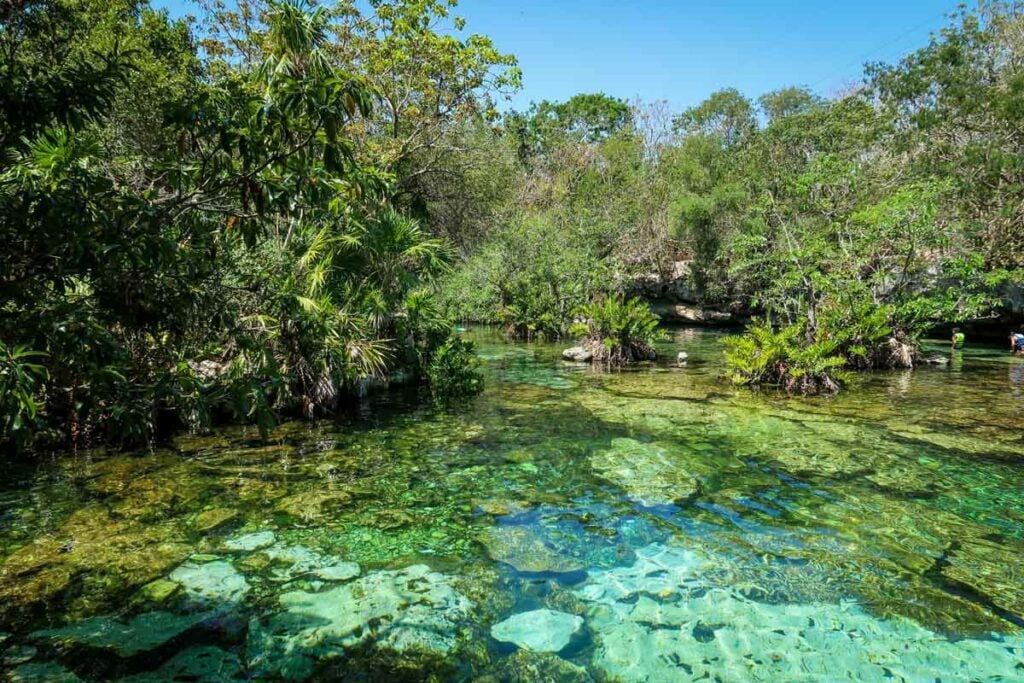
[(526, 551), (250, 542), (42, 672), (199, 664), (217, 519), (159, 591), (89, 544), (534, 667)]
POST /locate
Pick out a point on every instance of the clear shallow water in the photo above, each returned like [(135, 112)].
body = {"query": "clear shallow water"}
[(677, 529)]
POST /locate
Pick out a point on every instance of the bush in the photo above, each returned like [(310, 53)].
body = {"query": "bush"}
[(19, 405), (453, 370), (530, 280), (785, 357), (618, 330)]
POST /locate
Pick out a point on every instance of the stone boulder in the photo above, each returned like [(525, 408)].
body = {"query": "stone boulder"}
[(216, 582), (144, 633)]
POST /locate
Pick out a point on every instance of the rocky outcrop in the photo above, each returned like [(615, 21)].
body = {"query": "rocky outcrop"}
[(696, 315), (676, 299)]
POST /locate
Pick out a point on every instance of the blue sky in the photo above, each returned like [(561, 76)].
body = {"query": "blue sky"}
[(682, 50)]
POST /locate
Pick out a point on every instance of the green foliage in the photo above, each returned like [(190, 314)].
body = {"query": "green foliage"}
[(784, 357), (19, 391), (785, 102), (618, 330), (969, 78), (191, 239), (726, 115), (453, 370), (584, 118), (530, 279)]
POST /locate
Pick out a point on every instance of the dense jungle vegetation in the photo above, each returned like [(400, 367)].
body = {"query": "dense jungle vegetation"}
[(276, 206)]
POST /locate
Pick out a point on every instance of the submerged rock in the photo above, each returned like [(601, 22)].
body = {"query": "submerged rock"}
[(217, 519), (159, 591), (90, 543), (251, 542), (144, 633), (656, 625), (337, 572), (647, 473), (660, 570), (211, 582), (18, 654), (535, 667), (290, 562), (527, 551), (994, 570), (201, 664), (413, 609), (311, 505), (540, 630), (42, 672), (500, 507)]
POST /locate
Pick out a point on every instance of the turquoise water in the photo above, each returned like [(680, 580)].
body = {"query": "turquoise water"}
[(568, 525)]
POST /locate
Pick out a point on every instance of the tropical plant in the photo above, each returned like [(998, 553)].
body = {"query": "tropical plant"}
[(453, 370), (20, 378), (618, 330), (764, 355)]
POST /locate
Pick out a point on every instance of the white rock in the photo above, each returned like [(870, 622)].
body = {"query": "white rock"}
[(250, 542), (541, 630), (338, 572), (580, 354), (211, 582)]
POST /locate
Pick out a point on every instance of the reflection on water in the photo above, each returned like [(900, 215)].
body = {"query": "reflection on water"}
[(699, 532)]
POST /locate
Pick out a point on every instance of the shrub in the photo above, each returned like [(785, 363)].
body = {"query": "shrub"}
[(618, 330), (453, 370), (530, 279), (19, 405), (784, 357)]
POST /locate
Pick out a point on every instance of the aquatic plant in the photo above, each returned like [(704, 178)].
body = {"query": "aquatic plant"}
[(453, 370), (765, 355), (618, 330)]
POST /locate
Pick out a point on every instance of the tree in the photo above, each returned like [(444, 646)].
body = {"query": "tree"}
[(726, 115), (787, 102), (227, 251), (957, 106), (587, 118)]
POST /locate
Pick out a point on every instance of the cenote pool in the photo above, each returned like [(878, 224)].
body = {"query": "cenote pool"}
[(567, 525)]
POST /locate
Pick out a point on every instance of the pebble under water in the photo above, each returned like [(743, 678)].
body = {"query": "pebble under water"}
[(651, 525)]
